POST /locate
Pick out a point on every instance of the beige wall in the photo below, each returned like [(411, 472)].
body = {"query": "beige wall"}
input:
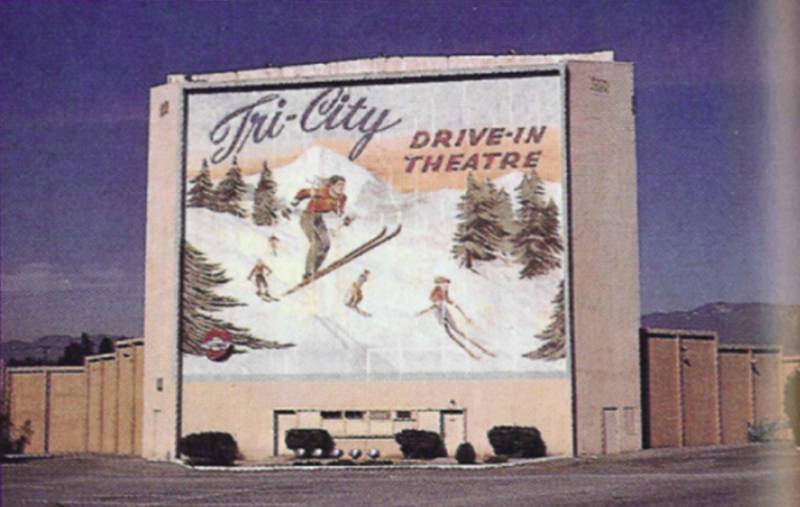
[(94, 382), (767, 388), (605, 256), (700, 391), (736, 395), (67, 411), (246, 409), (80, 409), (662, 392), (28, 404), (162, 306), (108, 440)]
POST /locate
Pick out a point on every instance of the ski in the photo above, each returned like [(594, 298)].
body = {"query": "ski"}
[(478, 345), (461, 344), (371, 244)]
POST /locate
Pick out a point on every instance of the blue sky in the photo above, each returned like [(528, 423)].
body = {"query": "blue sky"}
[(75, 78)]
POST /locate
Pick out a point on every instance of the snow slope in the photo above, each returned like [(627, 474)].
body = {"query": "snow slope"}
[(332, 339)]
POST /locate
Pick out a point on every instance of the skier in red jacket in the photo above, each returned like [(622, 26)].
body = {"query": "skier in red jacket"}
[(329, 198)]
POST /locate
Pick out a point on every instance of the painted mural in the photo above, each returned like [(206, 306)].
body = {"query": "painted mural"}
[(388, 230)]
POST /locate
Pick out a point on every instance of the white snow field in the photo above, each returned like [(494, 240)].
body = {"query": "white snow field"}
[(333, 340)]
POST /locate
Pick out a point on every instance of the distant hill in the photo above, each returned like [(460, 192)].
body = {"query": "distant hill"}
[(738, 323), (50, 346)]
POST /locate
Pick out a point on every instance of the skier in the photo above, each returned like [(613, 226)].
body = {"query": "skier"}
[(273, 244), (330, 197), (261, 271), (355, 295), (440, 299)]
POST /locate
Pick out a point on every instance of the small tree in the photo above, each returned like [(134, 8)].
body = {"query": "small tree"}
[(86, 345), (201, 195), (106, 346), (73, 355), (265, 201), (554, 335), (228, 194)]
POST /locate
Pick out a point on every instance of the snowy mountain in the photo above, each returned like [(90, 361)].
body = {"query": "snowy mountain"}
[(331, 338)]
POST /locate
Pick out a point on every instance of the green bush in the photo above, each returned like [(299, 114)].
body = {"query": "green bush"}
[(13, 440), (792, 403), (763, 432), (420, 444), (465, 454), (209, 448), (517, 441), (310, 439)]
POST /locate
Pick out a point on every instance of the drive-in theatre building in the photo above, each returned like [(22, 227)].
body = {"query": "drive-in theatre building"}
[(446, 244)]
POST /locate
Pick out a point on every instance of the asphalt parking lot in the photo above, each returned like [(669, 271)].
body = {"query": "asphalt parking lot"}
[(753, 475)]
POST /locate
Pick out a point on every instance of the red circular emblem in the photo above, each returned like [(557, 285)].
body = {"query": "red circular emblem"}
[(217, 344)]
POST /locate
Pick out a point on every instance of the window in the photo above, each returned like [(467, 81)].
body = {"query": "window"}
[(380, 415), (403, 415), (354, 414), (331, 414)]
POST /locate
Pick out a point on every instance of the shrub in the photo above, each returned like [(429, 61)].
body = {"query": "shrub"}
[(310, 439), (792, 404), (13, 440), (465, 454), (420, 444), (763, 432), (517, 441), (209, 448)]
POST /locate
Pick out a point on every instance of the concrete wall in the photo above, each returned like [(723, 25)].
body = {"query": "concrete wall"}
[(27, 395), (662, 388), (246, 410), (699, 384), (67, 411), (95, 408), (696, 392), (736, 395), (161, 389), (108, 437), (605, 257), (767, 388)]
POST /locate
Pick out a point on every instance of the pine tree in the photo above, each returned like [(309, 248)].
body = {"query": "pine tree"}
[(507, 221), (537, 242), (265, 201), (200, 279), (478, 235), (554, 335), (228, 194), (201, 195), (551, 226)]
